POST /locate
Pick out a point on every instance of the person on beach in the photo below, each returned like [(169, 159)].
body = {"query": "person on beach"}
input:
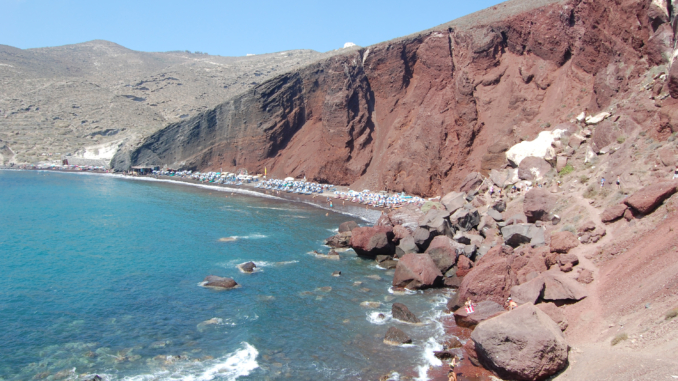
[(451, 375), (469, 306), (511, 304), (618, 182), (675, 173), (602, 182)]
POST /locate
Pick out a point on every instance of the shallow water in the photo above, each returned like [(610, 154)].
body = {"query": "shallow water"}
[(101, 275)]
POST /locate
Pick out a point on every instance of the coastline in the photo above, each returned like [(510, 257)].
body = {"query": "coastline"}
[(426, 370), (367, 214)]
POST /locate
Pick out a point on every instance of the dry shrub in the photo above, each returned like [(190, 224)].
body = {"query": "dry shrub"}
[(619, 338)]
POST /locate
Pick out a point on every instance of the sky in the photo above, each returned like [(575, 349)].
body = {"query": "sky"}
[(223, 27)]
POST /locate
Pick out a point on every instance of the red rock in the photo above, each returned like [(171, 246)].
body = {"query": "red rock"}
[(660, 45), (471, 182), (395, 336), (528, 292), (523, 344), (557, 286), (648, 198), (218, 282), (400, 232), (483, 311), (536, 264), (443, 250), (567, 262), (556, 314), (408, 217), (587, 227), (561, 162), (667, 156), (453, 303), (628, 215), (453, 201), (491, 278), (605, 134), (400, 312), (347, 226), (585, 276), (416, 271), (537, 204), (383, 221), (372, 241), (470, 350), (562, 242), (464, 266), (673, 81), (533, 168), (613, 213)]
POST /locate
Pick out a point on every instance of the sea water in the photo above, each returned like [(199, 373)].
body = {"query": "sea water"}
[(102, 275)]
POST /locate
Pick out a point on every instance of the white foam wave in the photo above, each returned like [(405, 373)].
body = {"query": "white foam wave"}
[(273, 264), (251, 236), (230, 367), (429, 359), (375, 318), (402, 292)]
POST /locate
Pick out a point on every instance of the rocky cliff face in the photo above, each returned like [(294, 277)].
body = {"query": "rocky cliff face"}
[(419, 113)]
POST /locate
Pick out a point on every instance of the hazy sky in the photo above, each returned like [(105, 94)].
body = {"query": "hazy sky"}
[(223, 27)]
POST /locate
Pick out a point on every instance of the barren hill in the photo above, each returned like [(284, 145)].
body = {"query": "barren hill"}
[(62, 99), (420, 112)]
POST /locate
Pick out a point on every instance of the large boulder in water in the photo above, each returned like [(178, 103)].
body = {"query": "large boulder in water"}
[(648, 198), (400, 312), (218, 282), (339, 241), (347, 226), (247, 267), (523, 344), (538, 204), (372, 241), (394, 336), (415, 271)]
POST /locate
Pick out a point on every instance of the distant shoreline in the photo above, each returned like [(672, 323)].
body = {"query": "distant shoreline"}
[(368, 214)]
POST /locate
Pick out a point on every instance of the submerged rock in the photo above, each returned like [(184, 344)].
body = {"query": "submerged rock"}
[(247, 267), (400, 312), (394, 336), (218, 282)]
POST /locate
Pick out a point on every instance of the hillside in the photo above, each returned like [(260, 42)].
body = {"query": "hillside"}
[(99, 94), (418, 113)]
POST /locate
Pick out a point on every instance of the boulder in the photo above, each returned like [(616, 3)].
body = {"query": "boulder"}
[(491, 278), (247, 267), (470, 251), (575, 141), (523, 344), (453, 201), (464, 266), (383, 221), (535, 264), (613, 213), (605, 134), (436, 221), (471, 182), (483, 311), (561, 162), (567, 262), (444, 252), (400, 232), (218, 282), (400, 312), (540, 147), (336, 273), (557, 286), (372, 241), (533, 168), (452, 281), (595, 119), (587, 226), (667, 156), (673, 81), (515, 219), (499, 205), (406, 246), (347, 226), (453, 303), (415, 271), (556, 314), (339, 241), (648, 198), (563, 242), (422, 238), (394, 336), (464, 219), (408, 216), (382, 258), (519, 234), (585, 276), (528, 292), (497, 216), (499, 178), (538, 204)]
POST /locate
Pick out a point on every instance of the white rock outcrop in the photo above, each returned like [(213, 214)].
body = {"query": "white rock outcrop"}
[(597, 118), (539, 147)]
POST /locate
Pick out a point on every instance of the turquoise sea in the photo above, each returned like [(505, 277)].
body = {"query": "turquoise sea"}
[(101, 275)]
